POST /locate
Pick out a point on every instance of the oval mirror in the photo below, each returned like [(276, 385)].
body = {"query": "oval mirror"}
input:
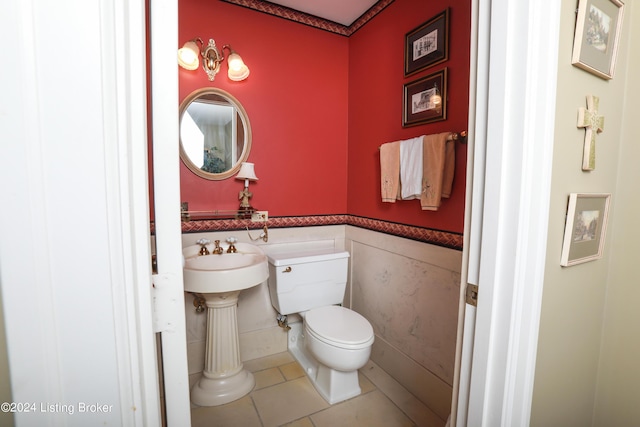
[(215, 134)]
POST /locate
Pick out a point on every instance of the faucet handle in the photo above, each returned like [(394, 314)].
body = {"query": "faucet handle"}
[(231, 241), (203, 246)]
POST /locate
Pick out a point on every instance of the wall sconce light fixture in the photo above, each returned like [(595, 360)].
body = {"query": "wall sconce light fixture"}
[(189, 54), (248, 174)]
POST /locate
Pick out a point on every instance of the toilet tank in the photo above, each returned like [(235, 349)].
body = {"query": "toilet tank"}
[(304, 280)]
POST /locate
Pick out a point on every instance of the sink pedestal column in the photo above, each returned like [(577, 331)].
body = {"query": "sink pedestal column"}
[(224, 378)]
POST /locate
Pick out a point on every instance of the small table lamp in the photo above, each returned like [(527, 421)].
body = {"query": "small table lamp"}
[(248, 174)]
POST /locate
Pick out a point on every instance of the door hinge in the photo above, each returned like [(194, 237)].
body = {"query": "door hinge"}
[(472, 294), (162, 303)]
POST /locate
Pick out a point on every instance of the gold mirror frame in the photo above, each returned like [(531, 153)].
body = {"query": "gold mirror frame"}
[(246, 148)]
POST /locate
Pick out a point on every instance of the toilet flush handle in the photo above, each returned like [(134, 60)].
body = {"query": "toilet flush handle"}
[(287, 270)]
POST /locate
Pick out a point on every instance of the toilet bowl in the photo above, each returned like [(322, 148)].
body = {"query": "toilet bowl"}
[(332, 342), (338, 337), (340, 340)]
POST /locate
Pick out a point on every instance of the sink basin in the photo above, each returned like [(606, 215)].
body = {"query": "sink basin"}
[(227, 272)]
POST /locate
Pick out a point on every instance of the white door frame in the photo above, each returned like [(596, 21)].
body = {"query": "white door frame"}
[(517, 57), (514, 127), (513, 132), (168, 232)]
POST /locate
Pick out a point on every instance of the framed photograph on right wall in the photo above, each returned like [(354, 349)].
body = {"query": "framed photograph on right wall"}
[(585, 229), (597, 36)]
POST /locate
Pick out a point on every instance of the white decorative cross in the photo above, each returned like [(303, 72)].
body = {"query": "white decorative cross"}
[(589, 119)]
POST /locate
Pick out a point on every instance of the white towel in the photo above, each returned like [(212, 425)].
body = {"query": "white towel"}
[(411, 168)]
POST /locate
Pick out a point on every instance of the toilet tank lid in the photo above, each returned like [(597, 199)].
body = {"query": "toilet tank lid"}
[(302, 257)]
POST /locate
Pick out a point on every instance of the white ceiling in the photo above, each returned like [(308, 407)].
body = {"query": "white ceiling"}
[(341, 11)]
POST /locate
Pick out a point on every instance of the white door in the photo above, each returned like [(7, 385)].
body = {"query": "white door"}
[(168, 282), (514, 68), (74, 251)]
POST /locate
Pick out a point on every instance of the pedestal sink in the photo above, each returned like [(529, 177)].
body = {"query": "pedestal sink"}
[(220, 278)]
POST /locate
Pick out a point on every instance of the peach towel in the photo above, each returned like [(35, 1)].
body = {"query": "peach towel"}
[(390, 171), (438, 167), (449, 168)]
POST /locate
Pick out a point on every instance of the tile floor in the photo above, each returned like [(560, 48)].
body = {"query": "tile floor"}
[(284, 396)]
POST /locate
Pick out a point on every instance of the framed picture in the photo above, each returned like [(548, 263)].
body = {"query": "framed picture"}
[(598, 29), (585, 229), (425, 100), (427, 44)]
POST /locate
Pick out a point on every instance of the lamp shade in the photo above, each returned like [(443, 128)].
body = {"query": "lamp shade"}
[(188, 55), (238, 70), (247, 172)]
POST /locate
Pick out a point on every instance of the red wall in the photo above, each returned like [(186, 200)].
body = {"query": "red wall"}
[(376, 79), (296, 97), (320, 105)]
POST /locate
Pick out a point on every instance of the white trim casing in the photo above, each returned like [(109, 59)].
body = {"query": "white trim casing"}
[(478, 78), (521, 54), (166, 178), (129, 172)]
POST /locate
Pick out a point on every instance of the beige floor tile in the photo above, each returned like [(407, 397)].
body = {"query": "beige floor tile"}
[(268, 377), (234, 414), (365, 385), (368, 410), (303, 422), (284, 396), (286, 402), (292, 370), (268, 362)]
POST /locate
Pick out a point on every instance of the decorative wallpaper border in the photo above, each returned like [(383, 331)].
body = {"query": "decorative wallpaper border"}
[(435, 237), (311, 20), (421, 234)]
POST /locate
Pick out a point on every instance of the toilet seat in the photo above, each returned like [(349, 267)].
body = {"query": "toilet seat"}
[(339, 327)]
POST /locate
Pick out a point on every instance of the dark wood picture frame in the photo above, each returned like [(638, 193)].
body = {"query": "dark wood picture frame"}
[(418, 101), (427, 44)]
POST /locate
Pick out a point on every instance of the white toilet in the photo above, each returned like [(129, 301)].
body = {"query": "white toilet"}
[(333, 342)]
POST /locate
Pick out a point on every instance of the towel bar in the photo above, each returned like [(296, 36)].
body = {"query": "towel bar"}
[(455, 136)]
